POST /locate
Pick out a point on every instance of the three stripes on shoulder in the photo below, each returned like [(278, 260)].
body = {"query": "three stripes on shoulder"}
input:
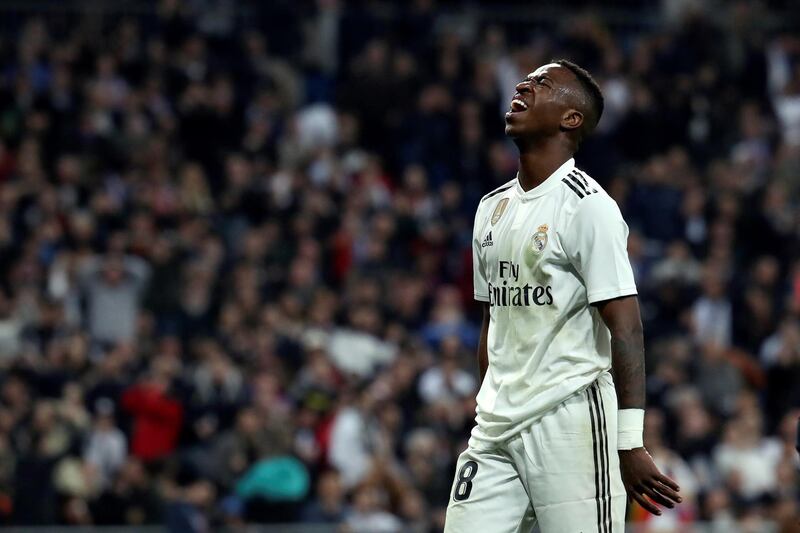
[(577, 182)]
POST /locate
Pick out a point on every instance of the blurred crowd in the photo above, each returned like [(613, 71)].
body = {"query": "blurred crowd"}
[(235, 269)]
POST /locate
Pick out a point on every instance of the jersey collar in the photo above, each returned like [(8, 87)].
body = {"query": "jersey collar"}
[(548, 184)]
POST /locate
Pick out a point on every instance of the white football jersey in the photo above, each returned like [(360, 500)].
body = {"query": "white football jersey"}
[(540, 258)]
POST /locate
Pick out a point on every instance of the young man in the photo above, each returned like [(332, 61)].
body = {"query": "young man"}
[(560, 314)]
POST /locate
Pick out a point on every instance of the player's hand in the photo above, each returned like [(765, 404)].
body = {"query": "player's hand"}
[(643, 480)]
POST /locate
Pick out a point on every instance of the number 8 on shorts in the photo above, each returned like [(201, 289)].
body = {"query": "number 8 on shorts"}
[(464, 481)]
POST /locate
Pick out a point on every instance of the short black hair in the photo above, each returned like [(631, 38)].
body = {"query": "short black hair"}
[(591, 89)]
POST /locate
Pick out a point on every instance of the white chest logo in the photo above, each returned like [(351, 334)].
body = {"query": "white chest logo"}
[(539, 239)]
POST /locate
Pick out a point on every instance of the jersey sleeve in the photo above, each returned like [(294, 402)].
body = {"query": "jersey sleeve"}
[(479, 282), (596, 241)]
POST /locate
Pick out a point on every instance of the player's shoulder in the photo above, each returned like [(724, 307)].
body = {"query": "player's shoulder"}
[(498, 191), (496, 202), (579, 185), (582, 194)]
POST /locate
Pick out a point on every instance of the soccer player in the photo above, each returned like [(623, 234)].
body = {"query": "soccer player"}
[(557, 441)]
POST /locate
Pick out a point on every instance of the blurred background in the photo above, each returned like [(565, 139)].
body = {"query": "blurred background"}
[(235, 270)]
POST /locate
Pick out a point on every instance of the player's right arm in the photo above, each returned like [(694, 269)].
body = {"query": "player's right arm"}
[(480, 286), (483, 351)]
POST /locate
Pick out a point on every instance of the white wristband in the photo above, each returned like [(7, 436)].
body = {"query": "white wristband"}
[(630, 426)]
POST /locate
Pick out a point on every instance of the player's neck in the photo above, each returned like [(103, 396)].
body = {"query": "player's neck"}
[(536, 165)]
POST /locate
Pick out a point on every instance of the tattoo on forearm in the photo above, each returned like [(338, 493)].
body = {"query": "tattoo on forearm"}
[(627, 355)]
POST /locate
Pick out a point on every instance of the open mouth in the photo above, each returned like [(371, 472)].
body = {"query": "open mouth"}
[(518, 106)]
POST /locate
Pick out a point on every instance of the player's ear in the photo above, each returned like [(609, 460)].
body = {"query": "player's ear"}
[(572, 119)]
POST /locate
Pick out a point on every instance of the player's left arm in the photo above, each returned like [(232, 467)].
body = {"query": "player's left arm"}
[(639, 473), (596, 243)]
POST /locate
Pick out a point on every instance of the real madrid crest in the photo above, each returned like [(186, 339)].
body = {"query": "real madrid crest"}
[(499, 210), (539, 239)]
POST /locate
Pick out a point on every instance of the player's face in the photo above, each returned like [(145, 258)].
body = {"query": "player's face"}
[(537, 106)]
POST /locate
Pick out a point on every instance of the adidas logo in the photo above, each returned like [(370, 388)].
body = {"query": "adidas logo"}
[(487, 241)]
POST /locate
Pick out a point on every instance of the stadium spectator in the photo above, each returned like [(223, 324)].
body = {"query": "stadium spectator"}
[(113, 286), (106, 446)]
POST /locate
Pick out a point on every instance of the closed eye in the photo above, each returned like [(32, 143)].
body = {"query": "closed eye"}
[(538, 81)]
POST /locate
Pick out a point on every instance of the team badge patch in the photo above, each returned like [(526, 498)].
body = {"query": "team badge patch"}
[(499, 210), (539, 239)]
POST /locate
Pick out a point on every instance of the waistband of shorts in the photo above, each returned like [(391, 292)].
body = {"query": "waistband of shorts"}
[(476, 443)]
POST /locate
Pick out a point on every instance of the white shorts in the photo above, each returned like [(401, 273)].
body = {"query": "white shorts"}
[(561, 473)]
